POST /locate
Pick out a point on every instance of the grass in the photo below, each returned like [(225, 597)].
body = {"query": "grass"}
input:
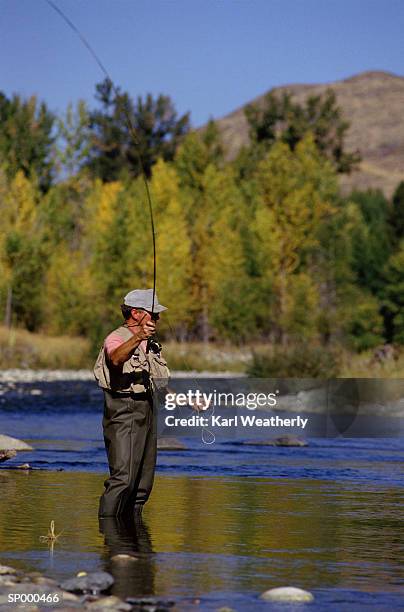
[(364, 366), (206, 357), (22, 349)]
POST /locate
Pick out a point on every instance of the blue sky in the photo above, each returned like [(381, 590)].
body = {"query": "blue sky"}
[(210, 56)]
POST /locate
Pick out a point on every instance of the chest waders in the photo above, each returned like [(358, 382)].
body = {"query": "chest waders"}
[(130, 437), (130, 426)]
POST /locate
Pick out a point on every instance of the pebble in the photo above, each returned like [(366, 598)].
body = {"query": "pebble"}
[(5, 569), (6, 581), (44, 581), (18, 375), (287, 594), (109, 603)]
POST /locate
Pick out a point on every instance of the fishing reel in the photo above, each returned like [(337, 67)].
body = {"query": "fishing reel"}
[(153, 346)]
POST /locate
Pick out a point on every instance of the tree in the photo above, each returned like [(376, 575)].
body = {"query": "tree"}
[(73, 138), (173, 249), (371, 239), (295, 193), (116, 148), (282, 119), (362, 322), (397, 213), (21, 250), (393, 296), (26, 138), (227, 308)]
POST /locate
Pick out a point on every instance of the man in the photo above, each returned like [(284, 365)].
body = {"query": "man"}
[(128, 373)]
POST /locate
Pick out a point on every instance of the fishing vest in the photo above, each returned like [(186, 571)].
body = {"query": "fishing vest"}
[(141, 372)]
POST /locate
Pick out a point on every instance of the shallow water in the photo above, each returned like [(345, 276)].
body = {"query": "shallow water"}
[(225, 522)]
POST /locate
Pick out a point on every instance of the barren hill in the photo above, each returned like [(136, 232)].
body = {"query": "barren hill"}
[(373, 103)]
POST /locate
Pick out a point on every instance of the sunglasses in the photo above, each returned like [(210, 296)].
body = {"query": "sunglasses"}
[(154, 315)]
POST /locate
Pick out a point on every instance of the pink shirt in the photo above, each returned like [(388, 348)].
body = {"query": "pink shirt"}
[(114, 340)]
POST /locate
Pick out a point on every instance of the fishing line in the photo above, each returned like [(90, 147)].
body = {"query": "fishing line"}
[(207, 436)]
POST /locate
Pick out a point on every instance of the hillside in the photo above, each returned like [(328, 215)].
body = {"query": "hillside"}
[(373, 103)]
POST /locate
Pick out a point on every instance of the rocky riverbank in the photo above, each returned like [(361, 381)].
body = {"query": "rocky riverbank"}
[(34, 592)]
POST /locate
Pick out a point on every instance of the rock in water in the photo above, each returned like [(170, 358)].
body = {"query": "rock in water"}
[(7, 443), (4, 455), (124, 558), (167, 443), (281, 441), (89, 583), (287, 594), (109, 603), (289, 441)]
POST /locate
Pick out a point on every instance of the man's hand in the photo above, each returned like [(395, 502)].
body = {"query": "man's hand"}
[(145, 331), (125, 350)]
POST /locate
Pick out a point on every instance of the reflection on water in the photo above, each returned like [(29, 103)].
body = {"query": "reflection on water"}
[(133, 574), (211, 537)]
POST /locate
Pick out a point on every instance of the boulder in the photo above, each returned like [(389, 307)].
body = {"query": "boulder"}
[(287, 594), (281, 441), (93, 583), (289, 441), (7, 444)]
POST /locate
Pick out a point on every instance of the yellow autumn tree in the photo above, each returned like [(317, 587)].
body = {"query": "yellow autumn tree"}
[(228, 296), (21, 251), (173, 249), (295, 193)]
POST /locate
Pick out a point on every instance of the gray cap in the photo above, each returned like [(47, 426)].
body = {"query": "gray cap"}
[(143, 298)]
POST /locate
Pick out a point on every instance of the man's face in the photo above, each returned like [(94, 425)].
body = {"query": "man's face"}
[(144, 316)]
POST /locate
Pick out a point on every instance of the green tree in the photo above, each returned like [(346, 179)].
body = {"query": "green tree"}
[(73, 137), (26, 138), (280, 118), (371, 241), (116, 148), (393, 296), (397, 213), (363, 323), (24, 258)]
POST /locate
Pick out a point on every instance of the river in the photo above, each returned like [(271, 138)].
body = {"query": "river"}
[(225, 522)]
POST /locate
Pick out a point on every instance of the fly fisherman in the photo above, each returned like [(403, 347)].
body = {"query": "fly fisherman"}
[(129, 368)]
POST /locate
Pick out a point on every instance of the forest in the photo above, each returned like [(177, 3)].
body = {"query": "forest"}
[(261, 249)]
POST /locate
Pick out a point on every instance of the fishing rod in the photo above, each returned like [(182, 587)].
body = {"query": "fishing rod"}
[(152, 342), (131, 128)]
